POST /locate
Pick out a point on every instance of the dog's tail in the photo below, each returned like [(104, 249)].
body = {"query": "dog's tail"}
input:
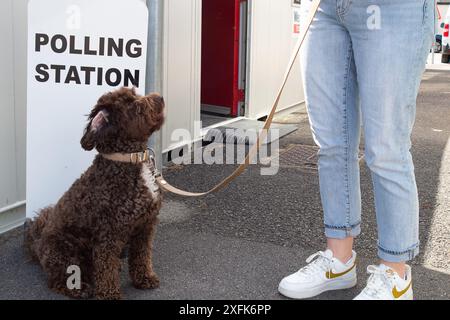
[(33, 230)]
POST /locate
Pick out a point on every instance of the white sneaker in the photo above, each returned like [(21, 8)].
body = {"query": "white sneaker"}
[(322, 274), (385, 284)]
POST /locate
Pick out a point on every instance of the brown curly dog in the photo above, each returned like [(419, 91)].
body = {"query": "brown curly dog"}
[(114, 204)]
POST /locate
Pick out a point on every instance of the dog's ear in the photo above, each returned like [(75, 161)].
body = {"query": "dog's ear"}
[(94, 129)]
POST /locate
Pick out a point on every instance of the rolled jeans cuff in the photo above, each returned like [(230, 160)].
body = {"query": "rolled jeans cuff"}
[(398, 256), (335, 232)]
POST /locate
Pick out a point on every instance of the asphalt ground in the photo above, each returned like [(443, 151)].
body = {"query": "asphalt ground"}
[(240, 242)]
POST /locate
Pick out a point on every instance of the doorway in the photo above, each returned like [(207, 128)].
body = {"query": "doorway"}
[(224, 39)]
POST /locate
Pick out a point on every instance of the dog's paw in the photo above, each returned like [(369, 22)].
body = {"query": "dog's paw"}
[(146, 281), (108, 296), (85, 292)]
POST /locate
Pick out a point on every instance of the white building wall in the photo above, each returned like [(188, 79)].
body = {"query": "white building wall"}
[(182, 67), (271, 45), (13, 27)]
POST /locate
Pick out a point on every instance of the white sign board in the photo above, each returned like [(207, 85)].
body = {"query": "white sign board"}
[(77, 51)]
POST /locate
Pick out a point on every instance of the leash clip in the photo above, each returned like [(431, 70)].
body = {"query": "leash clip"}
[(152, 158)]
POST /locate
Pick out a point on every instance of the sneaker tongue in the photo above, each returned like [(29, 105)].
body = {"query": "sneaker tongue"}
[(385, 268)]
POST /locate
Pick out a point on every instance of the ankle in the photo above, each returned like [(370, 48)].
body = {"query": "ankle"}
[(341, 255), (341, 248), (344, 258), (398, 267)]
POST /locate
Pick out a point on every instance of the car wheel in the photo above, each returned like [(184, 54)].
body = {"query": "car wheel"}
[(445, 58)]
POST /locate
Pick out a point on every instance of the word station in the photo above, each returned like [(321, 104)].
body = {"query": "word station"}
[(86, 75)]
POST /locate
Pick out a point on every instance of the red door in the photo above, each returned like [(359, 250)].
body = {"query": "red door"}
[(220, 54)]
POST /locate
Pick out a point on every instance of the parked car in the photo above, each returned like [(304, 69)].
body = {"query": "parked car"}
[(446, 39), (438, 43)]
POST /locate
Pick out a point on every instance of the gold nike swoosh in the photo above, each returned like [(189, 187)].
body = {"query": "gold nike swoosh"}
[(397, 294), (331, 275)]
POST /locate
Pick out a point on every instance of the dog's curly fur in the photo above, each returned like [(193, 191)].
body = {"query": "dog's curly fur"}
[(107, 208)]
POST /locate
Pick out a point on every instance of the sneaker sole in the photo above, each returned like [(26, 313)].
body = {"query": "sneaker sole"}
[(312, 292)]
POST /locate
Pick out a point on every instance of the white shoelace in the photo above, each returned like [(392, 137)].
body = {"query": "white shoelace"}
[(379, 279), (322, 263)]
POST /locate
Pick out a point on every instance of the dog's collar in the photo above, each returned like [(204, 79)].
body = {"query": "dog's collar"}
[(135, 158)]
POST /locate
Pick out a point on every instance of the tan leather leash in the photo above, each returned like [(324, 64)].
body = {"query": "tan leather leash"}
[(164, 185)]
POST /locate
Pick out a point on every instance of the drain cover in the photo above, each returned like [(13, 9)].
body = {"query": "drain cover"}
[(303, 157), (300, 156)]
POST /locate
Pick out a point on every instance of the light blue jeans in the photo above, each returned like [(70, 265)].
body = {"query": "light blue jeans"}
[(363, 61)]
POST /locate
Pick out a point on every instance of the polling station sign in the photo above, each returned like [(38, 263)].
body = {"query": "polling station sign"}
[(77, 51)]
